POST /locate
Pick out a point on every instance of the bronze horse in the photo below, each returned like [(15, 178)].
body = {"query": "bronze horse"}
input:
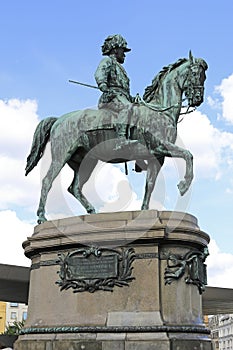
[(86, 136)]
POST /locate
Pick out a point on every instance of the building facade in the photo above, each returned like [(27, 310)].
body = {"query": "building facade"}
[(222, 331), (214, 327), (15, 312), (226, 332), (2, 316)]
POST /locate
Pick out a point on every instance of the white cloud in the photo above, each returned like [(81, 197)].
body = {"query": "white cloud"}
[(15, 188), (225, 89), (13, 233), (212, 149), (214, 103), (114, 190), (18, 123), (108, 189), (220, 267)]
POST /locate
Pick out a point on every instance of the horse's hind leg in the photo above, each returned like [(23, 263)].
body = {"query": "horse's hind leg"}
[(54, 169), (80, 178), (153, 169)]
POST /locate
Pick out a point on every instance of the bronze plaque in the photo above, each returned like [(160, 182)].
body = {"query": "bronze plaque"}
[(91, 269), (104, 266)]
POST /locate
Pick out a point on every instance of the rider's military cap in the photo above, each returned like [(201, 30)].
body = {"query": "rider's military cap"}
[(112, 42)]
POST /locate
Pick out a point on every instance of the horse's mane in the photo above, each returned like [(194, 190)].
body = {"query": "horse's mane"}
[(151, 90)]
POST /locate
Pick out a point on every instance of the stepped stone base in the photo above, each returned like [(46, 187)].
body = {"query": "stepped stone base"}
[(138, 341), (125, 281)]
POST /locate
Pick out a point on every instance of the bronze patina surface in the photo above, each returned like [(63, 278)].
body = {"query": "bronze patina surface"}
[(123, 128)]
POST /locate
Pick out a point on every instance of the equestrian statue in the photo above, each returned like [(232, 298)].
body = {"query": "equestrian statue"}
[(123, 128)]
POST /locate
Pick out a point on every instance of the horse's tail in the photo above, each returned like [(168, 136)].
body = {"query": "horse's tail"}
[(40, 139)]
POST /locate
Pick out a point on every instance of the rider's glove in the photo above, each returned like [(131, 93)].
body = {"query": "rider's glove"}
[(103, 87)]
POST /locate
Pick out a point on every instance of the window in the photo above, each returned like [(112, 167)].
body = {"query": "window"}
[(24, 317), (13, 315), (14, 304)]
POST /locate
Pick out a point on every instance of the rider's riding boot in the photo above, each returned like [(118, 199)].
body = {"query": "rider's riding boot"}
[(123, 141)]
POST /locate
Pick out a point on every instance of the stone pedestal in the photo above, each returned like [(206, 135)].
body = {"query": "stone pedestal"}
[(124, 281)]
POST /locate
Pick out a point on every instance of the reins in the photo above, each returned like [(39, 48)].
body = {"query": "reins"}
[(157, 108)]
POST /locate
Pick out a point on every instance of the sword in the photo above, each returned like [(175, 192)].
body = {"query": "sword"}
[(83, 84)]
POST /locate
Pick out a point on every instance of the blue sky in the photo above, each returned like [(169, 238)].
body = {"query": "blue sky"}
[(46, 43)]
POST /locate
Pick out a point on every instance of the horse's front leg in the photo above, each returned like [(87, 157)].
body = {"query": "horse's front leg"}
[(153, 169), (184, 185), (170, 150)]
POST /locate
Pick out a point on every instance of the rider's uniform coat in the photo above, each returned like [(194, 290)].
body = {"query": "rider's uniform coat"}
[(115, 77)]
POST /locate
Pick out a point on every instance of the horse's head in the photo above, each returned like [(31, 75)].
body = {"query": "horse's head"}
[(194, 82), (189, 77)]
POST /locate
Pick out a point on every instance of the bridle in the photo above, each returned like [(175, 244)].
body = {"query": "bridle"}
[(193, 88)]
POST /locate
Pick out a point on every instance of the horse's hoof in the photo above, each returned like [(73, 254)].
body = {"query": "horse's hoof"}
[(91, 211), (41, 220), (183, 188)]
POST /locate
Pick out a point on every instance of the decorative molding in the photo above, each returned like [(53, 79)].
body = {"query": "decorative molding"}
[(44, 263), (116, 329), (147, 256), (54, 262), (91, 269), (192, 263)]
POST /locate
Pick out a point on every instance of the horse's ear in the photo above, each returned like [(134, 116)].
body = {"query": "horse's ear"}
[(191, 56)]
